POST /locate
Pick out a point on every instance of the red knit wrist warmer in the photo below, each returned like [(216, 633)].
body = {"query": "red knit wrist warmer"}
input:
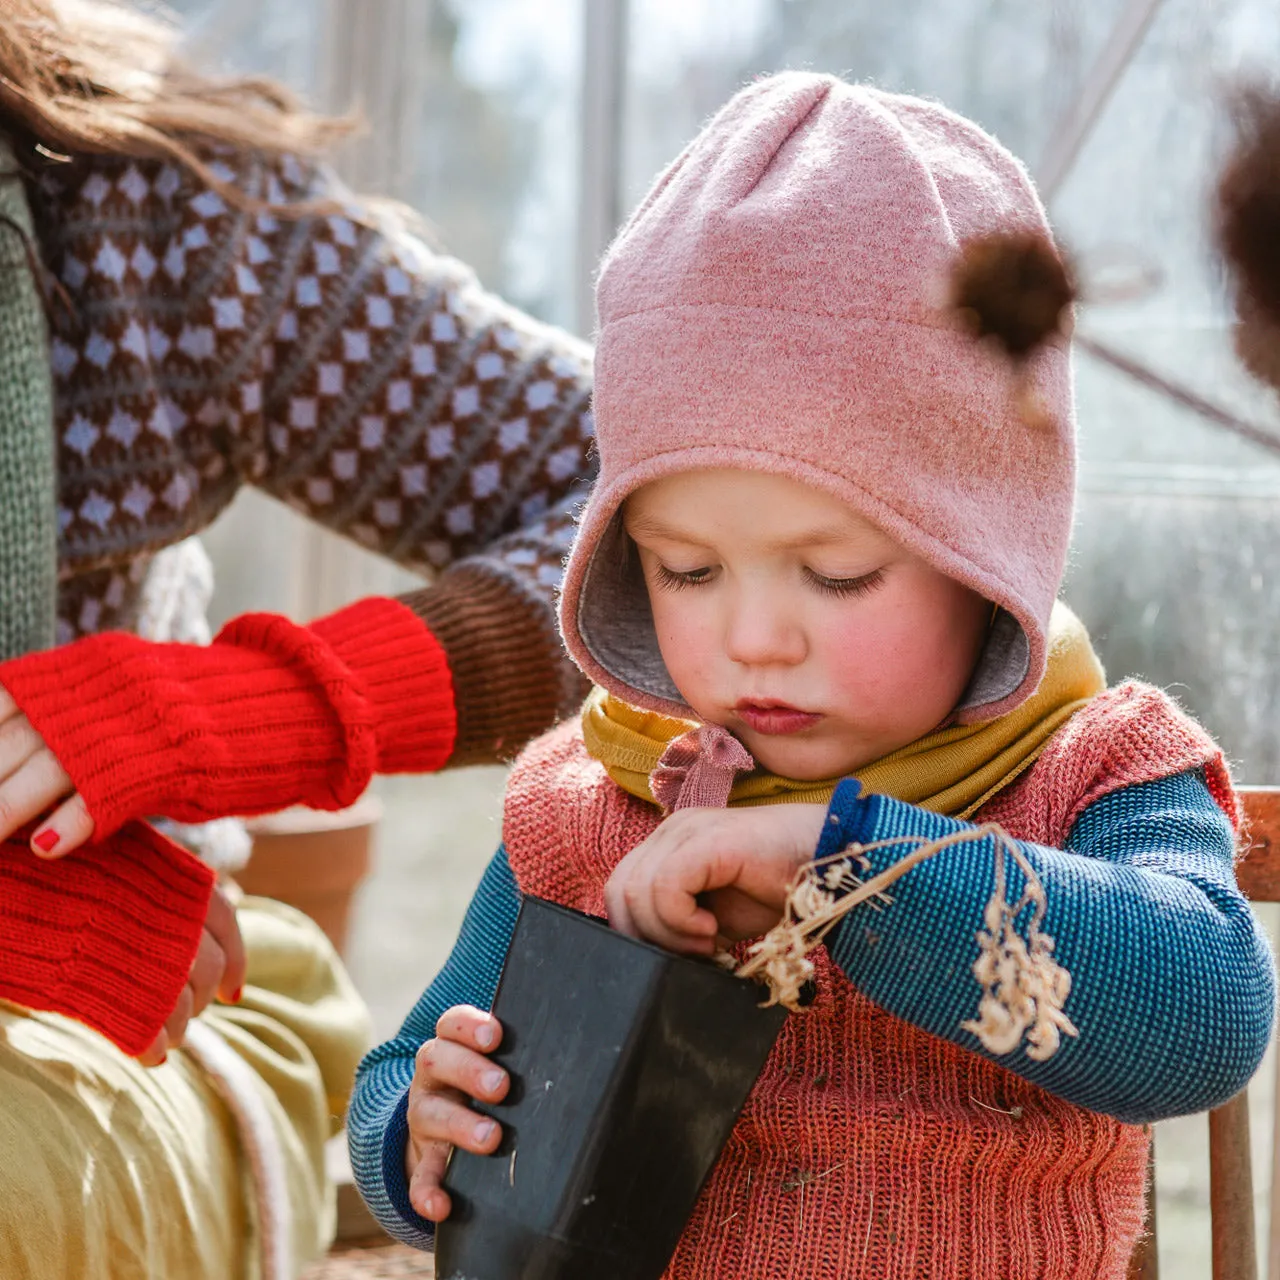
[(269, 715), (106, 935)]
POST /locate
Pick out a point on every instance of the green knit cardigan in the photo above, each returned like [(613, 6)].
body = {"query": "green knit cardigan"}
[(28, 521)]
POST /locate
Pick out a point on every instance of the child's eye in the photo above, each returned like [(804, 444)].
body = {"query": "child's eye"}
[(845, 587), (674, 580)]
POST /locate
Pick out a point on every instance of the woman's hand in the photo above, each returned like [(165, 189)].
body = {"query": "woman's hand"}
[(451, 1069), (31, 783), (709, 873), (218, 969)]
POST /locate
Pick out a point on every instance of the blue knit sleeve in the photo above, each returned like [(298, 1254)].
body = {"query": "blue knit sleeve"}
[(1172, 979), (377, 1128)]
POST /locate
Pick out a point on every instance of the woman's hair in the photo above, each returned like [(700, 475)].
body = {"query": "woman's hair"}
[(82, 77)]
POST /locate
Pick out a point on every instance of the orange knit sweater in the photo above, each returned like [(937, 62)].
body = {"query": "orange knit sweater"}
[(868, 1147)]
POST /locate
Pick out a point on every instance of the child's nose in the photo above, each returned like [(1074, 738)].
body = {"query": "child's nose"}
[(758, 634)]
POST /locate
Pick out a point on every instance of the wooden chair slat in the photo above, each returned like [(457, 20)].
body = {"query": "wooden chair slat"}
[(1258, 871), (1145, 1263), (1235, 1254)]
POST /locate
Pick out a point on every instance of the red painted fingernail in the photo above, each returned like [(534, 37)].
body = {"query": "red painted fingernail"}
[(46, 840), (237, 995), (164, 1057)]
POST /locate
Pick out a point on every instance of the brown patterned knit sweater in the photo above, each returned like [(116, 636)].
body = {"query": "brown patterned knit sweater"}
[(352, 372)]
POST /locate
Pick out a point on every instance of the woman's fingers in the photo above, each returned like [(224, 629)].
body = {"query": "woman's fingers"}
[(18, 743), (156, 1052), (34, 786), (175, 1025), (206, 974), (32, 782), (220, 925), (67, 828)]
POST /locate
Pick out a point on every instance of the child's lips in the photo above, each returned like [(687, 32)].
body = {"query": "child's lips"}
[(775, 718)]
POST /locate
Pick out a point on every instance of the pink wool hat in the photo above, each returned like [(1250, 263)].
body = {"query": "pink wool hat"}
[(776, 303)]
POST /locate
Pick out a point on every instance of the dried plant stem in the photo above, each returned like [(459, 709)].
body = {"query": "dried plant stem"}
[(1023, 987)]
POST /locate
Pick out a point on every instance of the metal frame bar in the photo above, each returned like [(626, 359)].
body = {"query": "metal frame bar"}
[(1180, 394), (605, 32), (1073, 130), (368, 58)]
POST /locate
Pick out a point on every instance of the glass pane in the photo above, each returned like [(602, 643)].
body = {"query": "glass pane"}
[(1177, 549), (471, 110)]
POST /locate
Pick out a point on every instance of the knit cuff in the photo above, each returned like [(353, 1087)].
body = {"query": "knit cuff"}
[(405, 677), (106, 935), (511, 676), (269, 715), (411, 1226)]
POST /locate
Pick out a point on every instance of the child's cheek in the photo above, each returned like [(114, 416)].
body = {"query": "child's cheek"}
[(859, 662), (689, 642)]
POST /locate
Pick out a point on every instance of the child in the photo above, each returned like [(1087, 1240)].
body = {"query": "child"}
[(822, 524)]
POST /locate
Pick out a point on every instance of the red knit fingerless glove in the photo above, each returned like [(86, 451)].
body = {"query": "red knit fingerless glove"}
[(269, 715), (106, 935)]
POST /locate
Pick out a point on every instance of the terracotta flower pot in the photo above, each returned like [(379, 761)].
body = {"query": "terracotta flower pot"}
[(314, 861), (629, 1066)]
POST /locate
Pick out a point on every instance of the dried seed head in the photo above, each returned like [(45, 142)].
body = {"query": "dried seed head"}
[(1014, 287)]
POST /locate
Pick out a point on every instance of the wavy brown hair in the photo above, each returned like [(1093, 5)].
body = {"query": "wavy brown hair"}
[(100, 77)]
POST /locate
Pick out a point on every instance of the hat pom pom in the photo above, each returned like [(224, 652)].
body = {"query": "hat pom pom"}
[(1014, 288), (1248, 229)]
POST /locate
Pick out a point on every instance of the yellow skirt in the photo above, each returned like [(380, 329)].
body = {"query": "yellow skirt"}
[(112, 1171)]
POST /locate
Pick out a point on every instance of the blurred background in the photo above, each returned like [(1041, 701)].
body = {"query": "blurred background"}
[(523, 129)]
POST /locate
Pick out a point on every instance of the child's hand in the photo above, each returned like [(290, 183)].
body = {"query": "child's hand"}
[(450, 1070), (709, 872)]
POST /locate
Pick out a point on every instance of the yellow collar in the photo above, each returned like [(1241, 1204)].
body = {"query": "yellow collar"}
[(953, 771)]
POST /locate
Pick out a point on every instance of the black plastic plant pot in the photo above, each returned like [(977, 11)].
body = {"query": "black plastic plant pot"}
[(629, 1066)]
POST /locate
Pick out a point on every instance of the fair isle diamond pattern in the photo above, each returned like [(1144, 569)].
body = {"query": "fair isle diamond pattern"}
[(342, 367)]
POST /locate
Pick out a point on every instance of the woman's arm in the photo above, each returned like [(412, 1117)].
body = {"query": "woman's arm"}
[(1172, 979), (361, 378)]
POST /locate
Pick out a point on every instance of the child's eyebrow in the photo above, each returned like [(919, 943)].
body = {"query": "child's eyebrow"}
[(822, 536), (657, 529)]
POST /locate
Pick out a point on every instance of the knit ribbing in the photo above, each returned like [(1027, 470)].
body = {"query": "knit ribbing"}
[(28, 552), (106, 935), (270, 714), (506, 661)]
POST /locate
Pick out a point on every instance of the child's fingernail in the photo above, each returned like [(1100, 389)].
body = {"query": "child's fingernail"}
[(47, 840), (492, 1081), (484, 1130), (484, 1035)]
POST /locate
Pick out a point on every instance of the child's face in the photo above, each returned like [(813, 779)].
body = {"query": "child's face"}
[(787, 618)]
